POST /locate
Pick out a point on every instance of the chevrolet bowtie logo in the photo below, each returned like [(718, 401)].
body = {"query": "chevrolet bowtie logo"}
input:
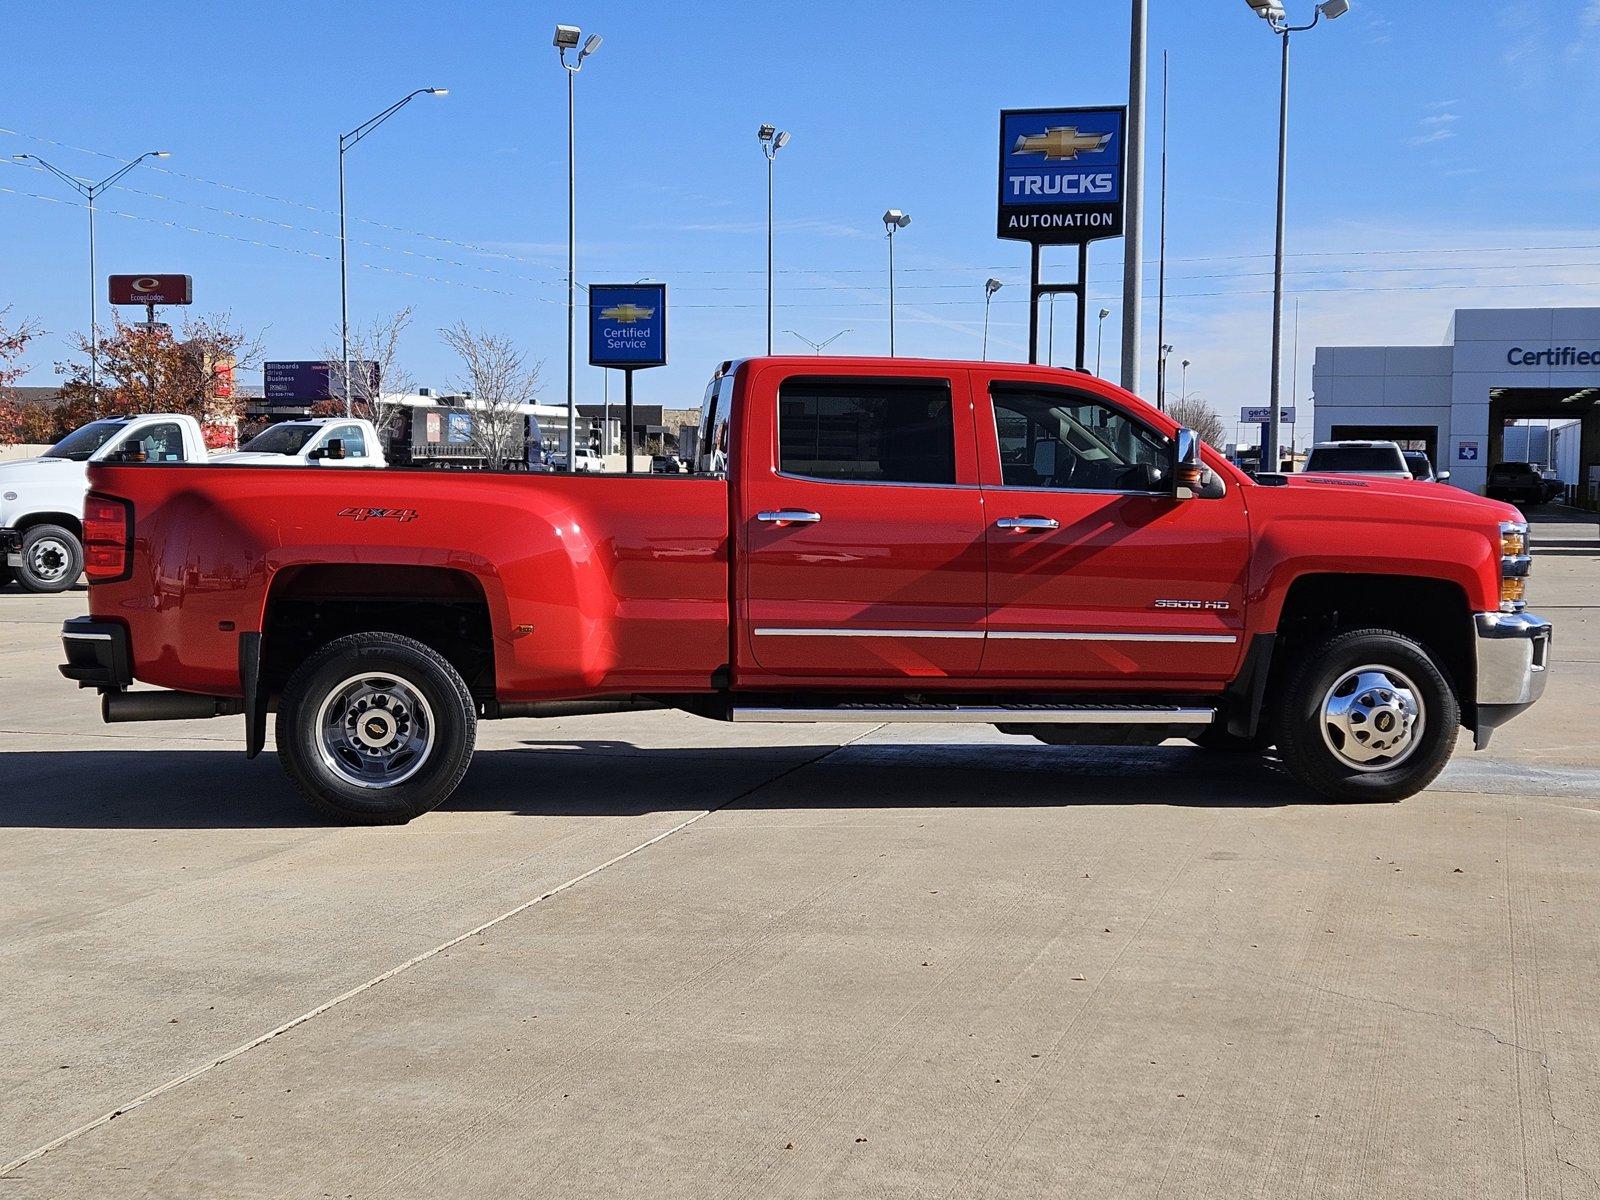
[(1060, 142), (627, 314)]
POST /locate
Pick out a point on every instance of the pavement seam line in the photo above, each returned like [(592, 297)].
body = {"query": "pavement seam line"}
[(227, 1056)]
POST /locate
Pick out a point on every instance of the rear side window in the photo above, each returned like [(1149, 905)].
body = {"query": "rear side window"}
[(867, 430)]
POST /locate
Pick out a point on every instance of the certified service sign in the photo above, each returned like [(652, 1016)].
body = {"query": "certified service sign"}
[(627, 325), (1061, 174)]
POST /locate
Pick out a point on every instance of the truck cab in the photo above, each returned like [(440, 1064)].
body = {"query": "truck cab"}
[(41, 499), (318, 441)]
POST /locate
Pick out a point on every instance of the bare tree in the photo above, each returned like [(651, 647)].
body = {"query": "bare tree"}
[(500, 381), (379, 344), (1194, 413)]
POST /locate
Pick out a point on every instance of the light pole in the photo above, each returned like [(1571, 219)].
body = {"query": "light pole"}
[(347, 140), (1272, 12), (818, 347), (1161, 377), (566, 38), (91, 192), (990, 287), (772, 140), (1099, 334), (1133, 190), (892, 220), (1183, 381)]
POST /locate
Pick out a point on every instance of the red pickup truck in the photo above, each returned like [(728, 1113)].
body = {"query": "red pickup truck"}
[(861, 540)]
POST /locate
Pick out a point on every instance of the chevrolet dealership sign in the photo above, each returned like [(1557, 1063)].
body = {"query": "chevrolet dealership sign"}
[(1061, 174)]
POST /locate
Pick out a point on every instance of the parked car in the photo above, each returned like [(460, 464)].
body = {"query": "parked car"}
[(41, 499), (1554, 488), (665, 464), (1382, 460), (1516, 483), (316, 442), (1421, 469), (869, 541)]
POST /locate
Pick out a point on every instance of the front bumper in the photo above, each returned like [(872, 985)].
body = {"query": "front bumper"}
[(1513, 661), (11, 547), (97, 654)]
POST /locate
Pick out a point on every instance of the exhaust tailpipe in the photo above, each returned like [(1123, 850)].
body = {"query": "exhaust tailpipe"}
[(119, 707)]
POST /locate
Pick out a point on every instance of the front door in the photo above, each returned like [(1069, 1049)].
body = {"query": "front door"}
[(1097, 575), (861, 528)]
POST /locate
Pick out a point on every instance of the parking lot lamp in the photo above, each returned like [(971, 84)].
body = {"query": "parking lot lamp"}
[(1099, 335), (347, 140), (990, 287), (1272, 12), (91, 192), (566, 38), (892, 220), (772, 140)]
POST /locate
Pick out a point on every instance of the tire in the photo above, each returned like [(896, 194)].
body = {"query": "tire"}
[(1343, 728), (52, 559), (411, 756), (1217, 738)]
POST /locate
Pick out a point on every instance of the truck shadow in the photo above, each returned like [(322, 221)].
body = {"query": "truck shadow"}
[(173, 789)]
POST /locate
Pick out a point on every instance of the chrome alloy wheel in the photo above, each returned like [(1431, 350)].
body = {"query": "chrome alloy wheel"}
[(375, 730), (1372, 718), (48, 559)]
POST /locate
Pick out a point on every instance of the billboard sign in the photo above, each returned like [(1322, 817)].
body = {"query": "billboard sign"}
[(1260, 416), (151, 289), (306, 382), (1061, 174), (627, 325)]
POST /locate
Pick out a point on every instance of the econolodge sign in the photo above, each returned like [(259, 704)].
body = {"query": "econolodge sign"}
[(627, 325), (151, 289), (1061, 174)]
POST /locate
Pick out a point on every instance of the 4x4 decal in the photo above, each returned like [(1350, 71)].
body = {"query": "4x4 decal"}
[(379, 514)]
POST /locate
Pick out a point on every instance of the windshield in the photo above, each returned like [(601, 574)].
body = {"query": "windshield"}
[(281, 439), (1354, 458), (81, 443), (1511, 470)]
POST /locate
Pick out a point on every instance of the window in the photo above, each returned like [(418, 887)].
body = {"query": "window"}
[(1355, 459), (716, 410), (1058, 439), (160, 443), (280, 439), (81, 443), (867, 431), (355, 445)]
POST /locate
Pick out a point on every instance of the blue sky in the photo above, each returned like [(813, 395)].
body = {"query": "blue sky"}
[(1441, 151)]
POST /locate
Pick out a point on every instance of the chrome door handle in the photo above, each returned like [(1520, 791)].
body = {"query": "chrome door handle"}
[(1027, 523), (789, 516)]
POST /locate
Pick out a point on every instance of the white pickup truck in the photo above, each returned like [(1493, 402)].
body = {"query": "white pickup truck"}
[(41, 499), (317, 442)]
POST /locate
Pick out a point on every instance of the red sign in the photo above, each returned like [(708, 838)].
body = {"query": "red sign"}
[(152, 289)]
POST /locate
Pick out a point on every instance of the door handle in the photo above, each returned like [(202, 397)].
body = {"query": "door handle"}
[(789, 516), (1022, 523)]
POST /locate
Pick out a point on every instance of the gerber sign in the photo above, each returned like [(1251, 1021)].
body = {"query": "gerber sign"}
[(627, 325), (1061, 174)]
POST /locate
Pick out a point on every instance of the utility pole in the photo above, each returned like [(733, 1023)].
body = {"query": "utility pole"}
[(1133, 185)]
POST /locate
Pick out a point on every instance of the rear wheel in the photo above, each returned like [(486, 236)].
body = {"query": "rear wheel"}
[(375, 729), (52, 559), (1367, 715)]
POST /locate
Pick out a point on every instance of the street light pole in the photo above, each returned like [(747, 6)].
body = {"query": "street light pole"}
[(893, 219), (91, 192), (772, 140), (346, 141), (1272, 12), (566, 38), (1161, 376), (1133, 189), (1099, 335), (990, 287)]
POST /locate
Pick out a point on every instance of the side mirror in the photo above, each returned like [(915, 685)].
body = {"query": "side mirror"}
[(1441, 476), (1186, 465), (334, 450)]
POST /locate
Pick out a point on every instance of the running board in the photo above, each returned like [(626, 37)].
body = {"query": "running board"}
[(984, 714)]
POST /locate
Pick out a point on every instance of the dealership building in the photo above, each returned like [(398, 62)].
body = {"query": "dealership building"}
[(1500, 375)]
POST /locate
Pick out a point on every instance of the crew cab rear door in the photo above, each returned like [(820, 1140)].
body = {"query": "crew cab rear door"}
[(860, 524), (1097, 574)]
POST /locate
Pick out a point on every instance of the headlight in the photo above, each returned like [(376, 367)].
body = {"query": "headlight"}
[(1515, 566)]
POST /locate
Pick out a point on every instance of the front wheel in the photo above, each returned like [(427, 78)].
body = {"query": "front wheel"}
[(1367, 715), (52, 559), (375, 729)]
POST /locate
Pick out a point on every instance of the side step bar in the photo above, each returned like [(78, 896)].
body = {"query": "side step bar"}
[(977, 714)]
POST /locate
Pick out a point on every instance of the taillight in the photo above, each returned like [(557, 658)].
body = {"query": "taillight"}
[(107, 538)]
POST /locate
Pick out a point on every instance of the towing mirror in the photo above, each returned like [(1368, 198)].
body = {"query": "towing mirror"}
[(1186, 465), (1441, 476), (334, 449)]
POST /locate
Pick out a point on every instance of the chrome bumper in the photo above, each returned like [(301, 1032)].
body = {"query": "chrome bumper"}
[(1513, 657)]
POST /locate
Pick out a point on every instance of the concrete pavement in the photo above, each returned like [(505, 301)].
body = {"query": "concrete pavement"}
[(655, 956)]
